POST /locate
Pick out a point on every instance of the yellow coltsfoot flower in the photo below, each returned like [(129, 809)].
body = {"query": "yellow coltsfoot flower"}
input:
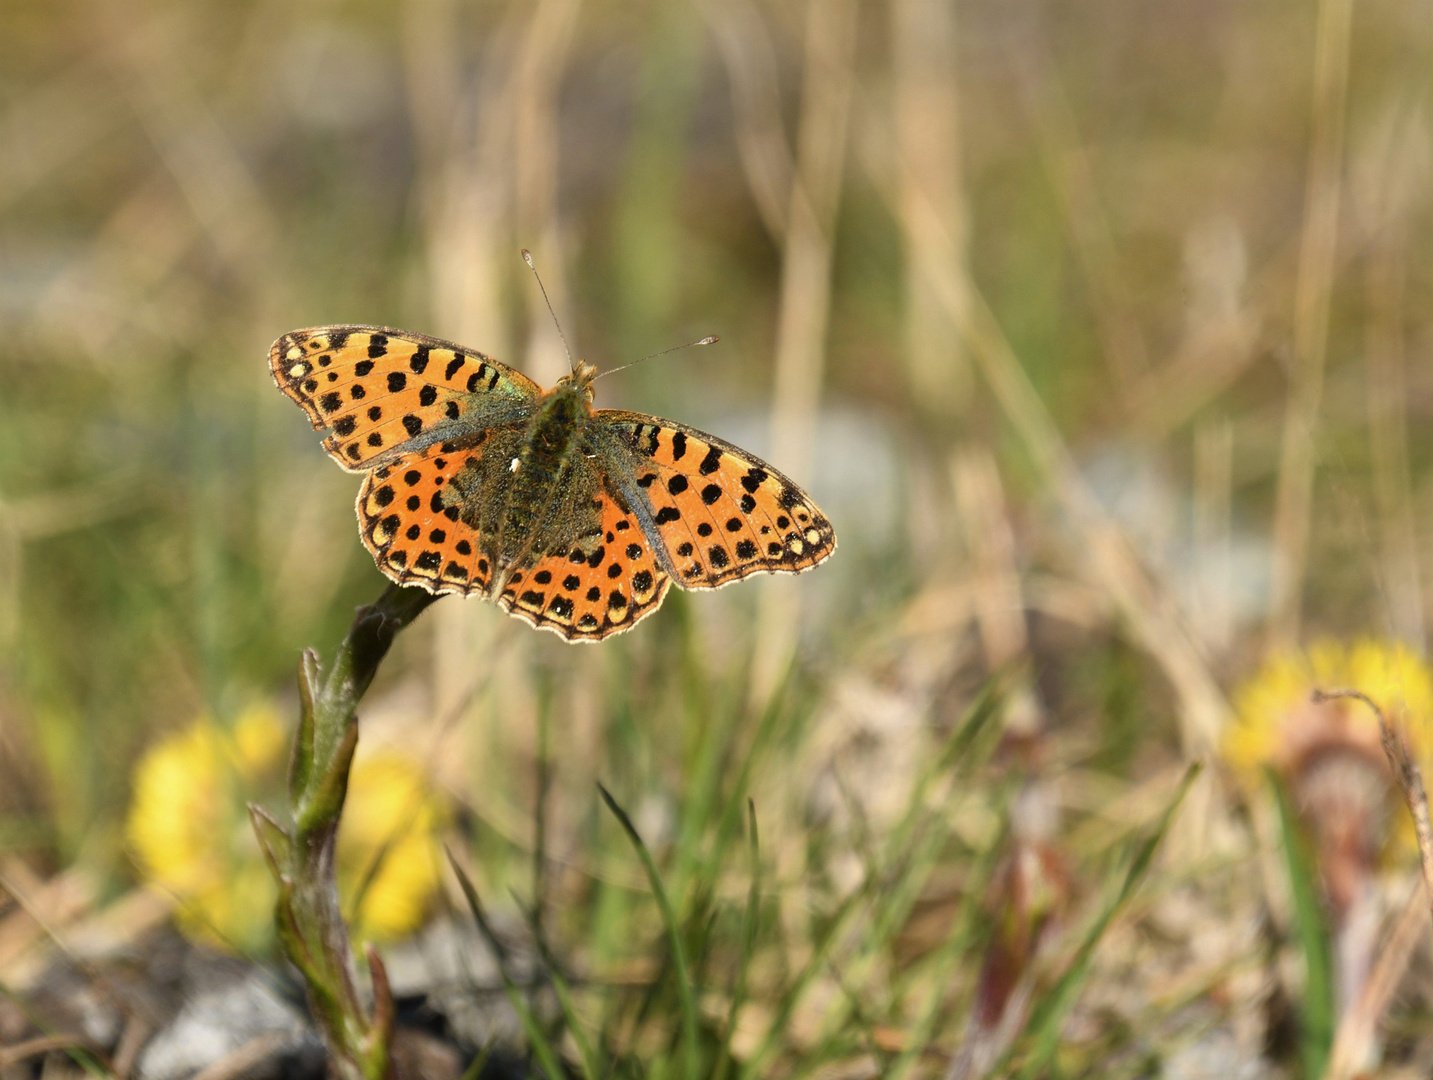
[(1330, 753), (189, 830)]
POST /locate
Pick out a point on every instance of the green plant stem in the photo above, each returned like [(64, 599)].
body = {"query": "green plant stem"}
[(310, 923)]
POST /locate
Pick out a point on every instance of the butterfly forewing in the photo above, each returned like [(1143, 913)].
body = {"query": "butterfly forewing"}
[(414, 536), (722, 514), (592, 590), (385, 391)]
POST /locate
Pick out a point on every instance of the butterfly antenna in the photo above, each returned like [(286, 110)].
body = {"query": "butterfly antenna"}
[(527, 258), (712, 340)]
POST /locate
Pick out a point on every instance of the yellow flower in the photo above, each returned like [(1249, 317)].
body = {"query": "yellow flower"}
[(388, 824), (189, 828), (1330, 754), (1277, 723)]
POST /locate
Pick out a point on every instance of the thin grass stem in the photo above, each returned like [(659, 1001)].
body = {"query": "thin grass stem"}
[(691, 1048)]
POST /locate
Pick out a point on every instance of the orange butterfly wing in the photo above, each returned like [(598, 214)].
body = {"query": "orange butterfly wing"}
[(388, 392), (721, 513), (587, 595), (413, 536), (584, 594)]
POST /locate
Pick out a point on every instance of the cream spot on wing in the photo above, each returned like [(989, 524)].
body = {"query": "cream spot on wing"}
[(796, 546), (812, 536)]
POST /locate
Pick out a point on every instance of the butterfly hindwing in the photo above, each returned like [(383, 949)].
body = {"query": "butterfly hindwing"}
[(385, 392), (414, 536), (721, 513), (592, 590)]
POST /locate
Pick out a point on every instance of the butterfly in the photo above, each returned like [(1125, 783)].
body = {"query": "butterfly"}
[(574, 519)]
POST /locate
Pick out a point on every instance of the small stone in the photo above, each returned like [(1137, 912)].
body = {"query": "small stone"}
[(217, 1022)]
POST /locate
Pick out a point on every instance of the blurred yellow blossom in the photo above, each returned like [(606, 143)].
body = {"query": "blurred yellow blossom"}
[(1330, 753), (1276, 722), (189, 829)]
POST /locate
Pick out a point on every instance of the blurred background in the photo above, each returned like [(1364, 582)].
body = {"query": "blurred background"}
[(1099, 331)]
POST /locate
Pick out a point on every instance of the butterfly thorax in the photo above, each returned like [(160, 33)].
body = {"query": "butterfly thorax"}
[(540, 484), (556, 425)]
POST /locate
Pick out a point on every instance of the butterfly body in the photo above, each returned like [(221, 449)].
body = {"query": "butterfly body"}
[(574, 519)]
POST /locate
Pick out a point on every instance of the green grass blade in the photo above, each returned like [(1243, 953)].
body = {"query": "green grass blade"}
[(821, 949), (1316, 1026), (475, 1069), (1047, 1018), (914, 848), (542, 1047), (967, 731), (679, 959), (590, 1067), (748, 945), (956, 948)]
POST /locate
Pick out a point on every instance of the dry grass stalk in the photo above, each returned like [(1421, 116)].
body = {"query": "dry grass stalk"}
[(1311, 317), (1204, 367), (1405, 771), (1359, 1025), (1152, 613), (999, 603), (222, 194), (235, 1064), (1213, 497), (980, 498), (928, 133), (540, 64), (45, 909), (806, 292), (44, 1044), (1395, 168), (1217, 352), (136, 1033), (746, 51), (1072, 176)]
